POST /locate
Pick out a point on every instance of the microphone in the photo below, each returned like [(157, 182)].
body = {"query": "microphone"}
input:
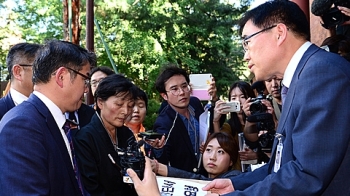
[(320, 7)]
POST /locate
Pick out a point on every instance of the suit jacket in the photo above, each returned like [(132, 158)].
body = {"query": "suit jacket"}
[(34, 158), (92, 146), (316, 138), (178, 151), (6, 103), (85, 114)]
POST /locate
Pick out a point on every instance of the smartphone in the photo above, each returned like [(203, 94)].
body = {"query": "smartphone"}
[(234, 106), (150, 135)]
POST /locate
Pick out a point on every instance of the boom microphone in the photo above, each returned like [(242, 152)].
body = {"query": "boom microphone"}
[(320, 7)]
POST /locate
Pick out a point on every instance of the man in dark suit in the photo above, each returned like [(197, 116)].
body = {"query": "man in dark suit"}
[(36, 157), (19, 62), (82, 116), (311, 153)]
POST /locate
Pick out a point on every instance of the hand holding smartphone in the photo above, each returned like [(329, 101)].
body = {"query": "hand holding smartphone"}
[(232, 106), (150, 135)]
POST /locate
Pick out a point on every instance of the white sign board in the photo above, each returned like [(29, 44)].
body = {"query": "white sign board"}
[(180, 186)]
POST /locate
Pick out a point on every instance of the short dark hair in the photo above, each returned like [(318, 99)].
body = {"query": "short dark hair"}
[(55, 54), (19, 53), (115, 84), (106, 70), (169, 71), (142, 95), (278, 11), (339, 44), (227, 143)]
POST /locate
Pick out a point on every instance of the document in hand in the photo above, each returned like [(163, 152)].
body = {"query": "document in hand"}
[(200, 84), (181, 186)]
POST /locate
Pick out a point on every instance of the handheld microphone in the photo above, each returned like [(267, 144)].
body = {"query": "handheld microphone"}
[(320, 7)]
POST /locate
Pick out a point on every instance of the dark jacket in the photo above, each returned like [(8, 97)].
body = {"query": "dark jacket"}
[(178, 150), (92, 146), (178, 173), (6, 103), (34, 158)]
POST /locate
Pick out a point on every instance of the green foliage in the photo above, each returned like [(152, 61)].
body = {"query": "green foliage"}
[(143, 35), (152, 113)]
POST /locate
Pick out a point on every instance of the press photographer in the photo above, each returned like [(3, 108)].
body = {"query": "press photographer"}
[(260, 126)]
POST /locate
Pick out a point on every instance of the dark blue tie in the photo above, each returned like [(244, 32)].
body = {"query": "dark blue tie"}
[(284, 92), (68, 127)]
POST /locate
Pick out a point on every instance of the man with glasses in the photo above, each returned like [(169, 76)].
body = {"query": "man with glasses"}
[(178, 120), (311, 151), (19, 62), (36, 156)]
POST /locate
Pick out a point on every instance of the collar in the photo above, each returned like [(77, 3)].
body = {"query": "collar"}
[(293, 63), (53, 108), (17, 97)]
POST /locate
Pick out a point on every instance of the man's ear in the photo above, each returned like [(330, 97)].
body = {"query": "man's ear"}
[(164, 95), (61, 75), (17, 72)]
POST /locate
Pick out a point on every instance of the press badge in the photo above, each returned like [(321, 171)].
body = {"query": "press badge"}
[(278, 153)]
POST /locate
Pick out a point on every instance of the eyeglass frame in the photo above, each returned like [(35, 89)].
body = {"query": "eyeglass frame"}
[(94, 83), (25, 65), (87, 78), (244, 40), (177, 92)]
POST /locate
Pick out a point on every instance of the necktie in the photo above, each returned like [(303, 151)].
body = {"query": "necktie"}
[(284, 92), (68, 127)]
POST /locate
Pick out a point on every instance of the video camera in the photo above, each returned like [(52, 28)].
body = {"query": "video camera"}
[(331, 16), (264, 121), (132, 157)]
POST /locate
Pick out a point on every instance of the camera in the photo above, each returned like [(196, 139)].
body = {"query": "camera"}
[(132, 157), (264, 121), (333, 18), (257, 107), (329, 12)]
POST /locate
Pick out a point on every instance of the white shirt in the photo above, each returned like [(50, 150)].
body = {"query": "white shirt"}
[(17, 97), (293, 63), (59, 117)]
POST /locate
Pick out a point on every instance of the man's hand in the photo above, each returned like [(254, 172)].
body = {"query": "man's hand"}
[(157, 143), (219, 186), (148, 186)]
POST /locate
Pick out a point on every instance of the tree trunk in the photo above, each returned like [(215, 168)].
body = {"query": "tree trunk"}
[(75, 21)]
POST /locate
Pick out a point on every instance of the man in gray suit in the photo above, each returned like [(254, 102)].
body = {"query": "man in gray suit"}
[(311, 154)]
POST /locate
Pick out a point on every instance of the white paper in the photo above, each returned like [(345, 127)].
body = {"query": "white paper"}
[(181, 186), (204, 120)]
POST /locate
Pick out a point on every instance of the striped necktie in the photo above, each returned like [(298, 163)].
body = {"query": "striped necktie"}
[(68, 127)]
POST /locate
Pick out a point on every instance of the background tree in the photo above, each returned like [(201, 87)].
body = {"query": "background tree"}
[(144, 35)]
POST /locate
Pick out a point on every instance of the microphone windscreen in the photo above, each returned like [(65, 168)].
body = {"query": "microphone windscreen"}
[(320, 7)]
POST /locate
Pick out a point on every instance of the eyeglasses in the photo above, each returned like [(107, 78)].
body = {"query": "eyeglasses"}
[(87, 78), (176, 91), (94, 83), (245, 42), (25, 65)]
